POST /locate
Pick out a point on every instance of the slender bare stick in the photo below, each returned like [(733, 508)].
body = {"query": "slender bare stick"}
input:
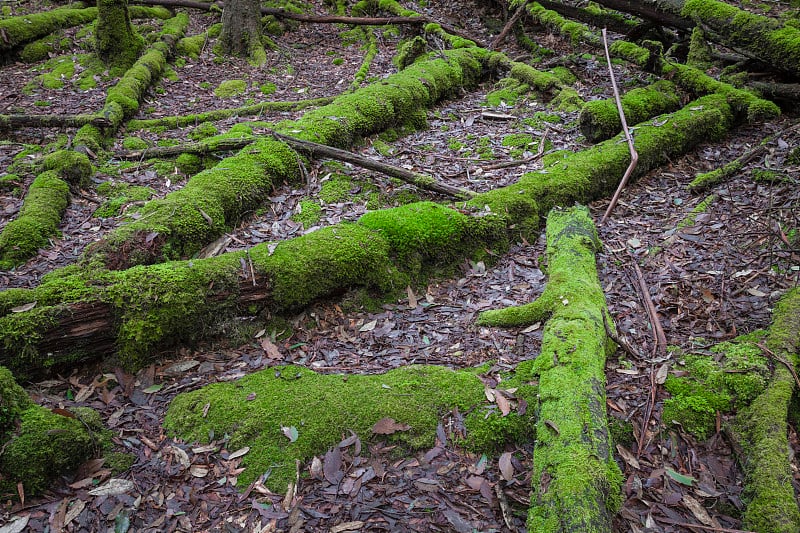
[(634, 154), (513, 20), (658, 331)]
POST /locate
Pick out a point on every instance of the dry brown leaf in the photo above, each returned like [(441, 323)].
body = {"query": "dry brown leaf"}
[(698, 510), (506, 468), (270, 349), (628, 456), (502, 403), (387, 426)]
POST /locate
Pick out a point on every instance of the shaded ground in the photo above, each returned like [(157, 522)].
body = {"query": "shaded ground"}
[(713, 280)]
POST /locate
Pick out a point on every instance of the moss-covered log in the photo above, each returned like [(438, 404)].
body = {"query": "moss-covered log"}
[(599, 119), (576, 482), (117, 44), (83, 313), (16, 31), (38, 445), (217, 198), (43, 207), (761, 427), (122, 100)]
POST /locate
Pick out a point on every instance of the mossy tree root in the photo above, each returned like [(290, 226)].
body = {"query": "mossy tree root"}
[(761, 430), (43, 207), (576, 482), (599, 119), (38, 445), (215, 199)]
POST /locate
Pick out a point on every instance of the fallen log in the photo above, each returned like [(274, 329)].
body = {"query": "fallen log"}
[(315, 150), (761, 430), (8, 122), (576, 482)]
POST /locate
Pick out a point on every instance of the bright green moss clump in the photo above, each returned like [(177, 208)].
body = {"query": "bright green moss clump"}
[(230, 88), (716, 384), (74, 167), (308, 214), (13, 401), (118, 196), (322, 408)]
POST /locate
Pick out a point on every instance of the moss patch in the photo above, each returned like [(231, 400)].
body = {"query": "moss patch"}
[(120, 195), (230, 88), (322, 408)]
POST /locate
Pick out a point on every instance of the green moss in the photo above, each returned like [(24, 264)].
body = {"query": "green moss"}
[(48, 445), (567, 100), (118, 462), (702, 207), (699, 50), (26, 28), (408, 51), (230, 88), (203, 131), (564, 75), (120, 195), (13, 402), (769, 176), (40, 49), (116, 42), (336, 188), (134, 143), (189, 164), (322, 408), (268, 88), (192, 46), (63, 68), (308, 213), (38, 220), (72, 166)]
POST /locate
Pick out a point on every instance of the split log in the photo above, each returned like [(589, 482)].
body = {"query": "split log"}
[(761, 430), (576, 482), (315, 150), (8, 122)]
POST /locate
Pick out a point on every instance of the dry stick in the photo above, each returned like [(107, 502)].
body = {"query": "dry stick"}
[(319, 19), (781, 360), (315, 149), (519, 162), (634, 154), (622, 343), (510, 24)]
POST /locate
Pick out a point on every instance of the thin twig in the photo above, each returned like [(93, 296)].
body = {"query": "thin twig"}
[(510, 24), (622, 343), (634, 154), (652, 313), (781, 360)]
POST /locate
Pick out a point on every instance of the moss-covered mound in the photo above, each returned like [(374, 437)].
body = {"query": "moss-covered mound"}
[(38, 445), (321, 408)]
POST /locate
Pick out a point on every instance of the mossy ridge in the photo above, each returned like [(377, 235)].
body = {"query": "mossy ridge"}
[(39, 445), (728, 381), (26, 28), (323, 408), (599, 119), (594, 173), (119, 195), (761, 430)]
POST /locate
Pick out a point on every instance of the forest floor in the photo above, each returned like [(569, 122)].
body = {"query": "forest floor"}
[(712, 280)]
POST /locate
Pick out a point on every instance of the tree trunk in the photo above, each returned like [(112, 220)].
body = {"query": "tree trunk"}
[(241, 28), (116, 42)]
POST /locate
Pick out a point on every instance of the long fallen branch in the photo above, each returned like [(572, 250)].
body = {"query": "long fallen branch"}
[(422, 181), (8, 122), (316, 19)]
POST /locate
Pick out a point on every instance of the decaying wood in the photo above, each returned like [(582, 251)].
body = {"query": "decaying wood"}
[(314, 149), (52, 121)]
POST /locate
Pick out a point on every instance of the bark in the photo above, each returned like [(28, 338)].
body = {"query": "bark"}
[(576, 482), (761, 429), (315, 150), (241, 28)]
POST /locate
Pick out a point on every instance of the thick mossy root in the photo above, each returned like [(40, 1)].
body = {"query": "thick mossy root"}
[(322, 408), (122, 100), (217, 198), (599, 119), (772, 42), (761, 430), (37, 445), (26, 28), (576, 482), (594, 173), (732, 378), (576, 32), (148, 308), (38, 220)]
